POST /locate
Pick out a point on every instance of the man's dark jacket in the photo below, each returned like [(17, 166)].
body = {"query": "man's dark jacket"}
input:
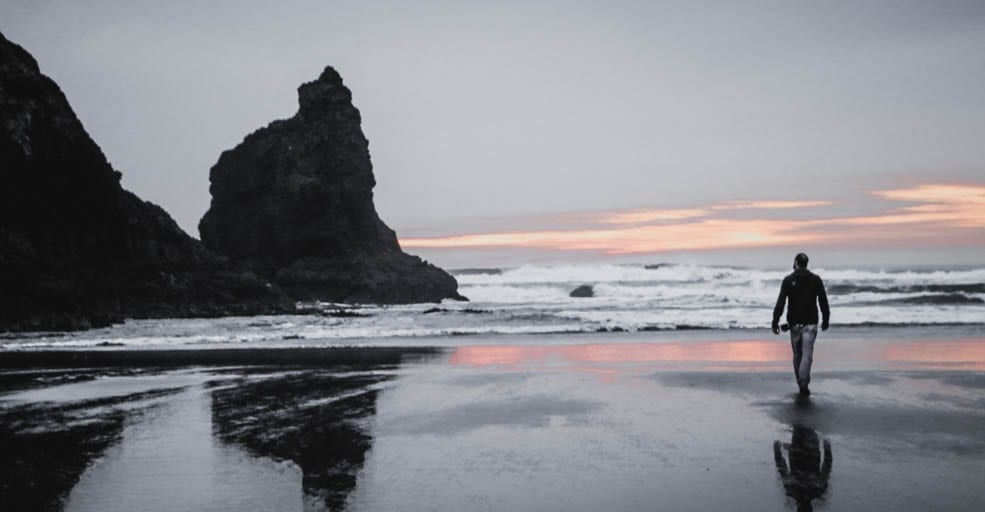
[(805, 291)]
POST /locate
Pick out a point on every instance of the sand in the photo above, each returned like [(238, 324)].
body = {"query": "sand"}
[(709, 421)]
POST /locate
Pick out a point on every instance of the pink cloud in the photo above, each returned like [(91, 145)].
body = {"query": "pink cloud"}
[(943, 214)]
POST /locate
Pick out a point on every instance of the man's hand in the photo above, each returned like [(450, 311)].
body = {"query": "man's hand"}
[(776, 328), (824, 326)]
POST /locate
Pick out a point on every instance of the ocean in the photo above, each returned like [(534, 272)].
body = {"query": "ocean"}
[(536, 300), (665, 387)]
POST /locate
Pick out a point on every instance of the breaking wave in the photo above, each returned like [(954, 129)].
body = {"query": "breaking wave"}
[(536, 300)]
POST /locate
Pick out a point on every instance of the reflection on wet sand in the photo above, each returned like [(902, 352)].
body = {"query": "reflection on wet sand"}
[(390, 429), (172, 448), (287, 430), (46, 446), (38, 468), (806, 469), (968, 354), (737, 351), (314, 418)]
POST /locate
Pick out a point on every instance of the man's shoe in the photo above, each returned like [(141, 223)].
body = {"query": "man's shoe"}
[(804, 390)]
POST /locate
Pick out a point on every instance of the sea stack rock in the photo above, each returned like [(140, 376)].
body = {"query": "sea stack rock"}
[(76, 249), (295, 201)]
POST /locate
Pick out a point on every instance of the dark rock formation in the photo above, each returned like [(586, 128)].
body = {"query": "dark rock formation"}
[(584, 290), (76, 249), (295, 201)]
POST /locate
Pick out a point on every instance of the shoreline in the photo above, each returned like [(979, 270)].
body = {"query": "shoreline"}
[(171, 358), (184, 336), (958, 349)]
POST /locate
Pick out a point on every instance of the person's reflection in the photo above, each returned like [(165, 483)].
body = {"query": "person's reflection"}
[(806, 477)]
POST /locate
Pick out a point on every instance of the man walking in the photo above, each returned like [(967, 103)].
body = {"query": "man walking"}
[(804, 291)]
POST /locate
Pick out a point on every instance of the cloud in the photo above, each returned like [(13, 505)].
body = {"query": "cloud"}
[(942, 215), (768, 205), (647, 215), (953, 206), (650, 215)]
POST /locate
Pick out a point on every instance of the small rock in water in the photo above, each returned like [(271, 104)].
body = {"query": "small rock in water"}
[(584, 290)]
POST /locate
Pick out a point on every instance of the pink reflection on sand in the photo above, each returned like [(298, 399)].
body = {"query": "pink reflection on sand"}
[(750, 355), (965, 354), (733, 351)]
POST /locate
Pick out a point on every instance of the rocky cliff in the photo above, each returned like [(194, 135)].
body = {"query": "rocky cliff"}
[(295, 201), (76, 249)]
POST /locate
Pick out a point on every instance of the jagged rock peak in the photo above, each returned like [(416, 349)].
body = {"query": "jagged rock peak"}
[(326, 94), (14, 56)]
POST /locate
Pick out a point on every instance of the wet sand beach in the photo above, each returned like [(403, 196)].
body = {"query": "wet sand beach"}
[(703, 421)]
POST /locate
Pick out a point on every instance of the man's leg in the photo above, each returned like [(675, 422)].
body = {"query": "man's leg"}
[(795, 344), (807, 336)]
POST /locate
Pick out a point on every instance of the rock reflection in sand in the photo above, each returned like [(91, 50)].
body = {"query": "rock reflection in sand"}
[(586, 428), (46, 447), (284, 436), (315, 418), (170, 461)]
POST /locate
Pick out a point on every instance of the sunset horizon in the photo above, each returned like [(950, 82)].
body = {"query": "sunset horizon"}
[(930, 216)]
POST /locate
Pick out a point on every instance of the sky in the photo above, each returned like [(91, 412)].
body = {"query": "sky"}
[(504, 132)]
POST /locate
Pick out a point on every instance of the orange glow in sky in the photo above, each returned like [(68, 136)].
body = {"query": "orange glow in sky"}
[(935, 215)]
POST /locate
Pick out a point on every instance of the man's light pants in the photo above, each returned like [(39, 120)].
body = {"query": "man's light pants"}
[(802, 341)]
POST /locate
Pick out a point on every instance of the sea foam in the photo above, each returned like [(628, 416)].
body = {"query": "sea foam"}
[(535, 300)]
